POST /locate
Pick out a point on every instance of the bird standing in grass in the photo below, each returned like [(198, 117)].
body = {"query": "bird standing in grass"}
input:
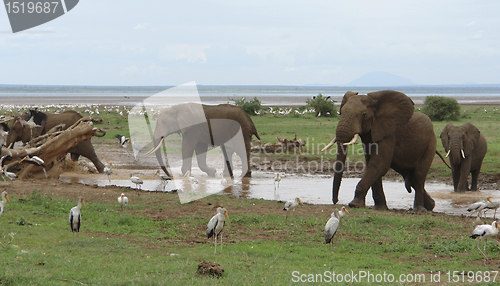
[(291, 205), (75, 216), (123, 200), (332, 225), (485, 230), (215, 226), (3, 202), (123, 140)]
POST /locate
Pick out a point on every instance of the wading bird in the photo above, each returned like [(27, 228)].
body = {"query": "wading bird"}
[(277, 180), (333, 224), (3, 202), (485, 230), (191, 179), (137, 181), (215, 226), (123, 200), (291, 205), (123, 140), (108, 171), (32, 159), (491, 206), (75, 216), (223, 180), (477, 207)]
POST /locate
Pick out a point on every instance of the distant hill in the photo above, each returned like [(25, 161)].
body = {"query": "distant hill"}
[(380, 78)]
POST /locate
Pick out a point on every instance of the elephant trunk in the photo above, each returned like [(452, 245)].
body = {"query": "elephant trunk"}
[(339, 171), (456, 152)]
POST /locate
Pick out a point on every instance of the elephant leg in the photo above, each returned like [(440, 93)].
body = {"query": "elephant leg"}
[(201, 157), (248, 147), (423, 200), (189, 142), (86, 149), (475, 176), (464, 174), (377, 166), (378, 195), (229, 153)]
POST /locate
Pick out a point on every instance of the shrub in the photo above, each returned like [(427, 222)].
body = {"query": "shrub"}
[(251, 107), (440, 108), (323, 106)]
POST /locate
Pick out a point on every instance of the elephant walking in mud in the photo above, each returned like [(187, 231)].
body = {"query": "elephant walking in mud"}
[(41, 122), (466, 147), (202, 126), (393, 136)]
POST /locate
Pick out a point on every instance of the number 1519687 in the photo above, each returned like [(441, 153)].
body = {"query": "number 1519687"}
[(31, 7)]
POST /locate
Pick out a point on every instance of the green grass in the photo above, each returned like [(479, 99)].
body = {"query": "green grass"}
[(127, 248)]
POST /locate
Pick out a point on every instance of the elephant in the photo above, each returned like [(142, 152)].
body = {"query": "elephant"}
[(394, 136), (22, 130), (202, 126), (467, 147)]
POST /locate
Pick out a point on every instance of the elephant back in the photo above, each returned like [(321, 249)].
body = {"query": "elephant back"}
[(228, 111), (68, 118)]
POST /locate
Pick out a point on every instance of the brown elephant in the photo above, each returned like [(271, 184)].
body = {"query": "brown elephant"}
[(393, 136), (467, 147), (202, 126), (20, 130)]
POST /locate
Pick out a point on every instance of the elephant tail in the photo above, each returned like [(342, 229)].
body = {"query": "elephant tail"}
[(440, 156), (254, 132), (100, 135)]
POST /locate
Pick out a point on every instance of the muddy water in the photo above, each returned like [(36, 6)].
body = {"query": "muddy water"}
[(311, 189)]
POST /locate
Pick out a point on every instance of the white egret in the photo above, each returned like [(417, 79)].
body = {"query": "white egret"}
[(5, 199), (223, 180), (333, 224), (216, 224), (485, 230), (291, 205), (75, 216), (123, 200)]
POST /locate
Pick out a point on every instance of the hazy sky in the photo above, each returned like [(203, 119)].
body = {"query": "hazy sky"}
[(256, 42)]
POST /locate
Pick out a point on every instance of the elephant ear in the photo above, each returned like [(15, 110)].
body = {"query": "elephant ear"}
[(444, 136), (471, 138), (346, 98), (392, 109), (188, 115)]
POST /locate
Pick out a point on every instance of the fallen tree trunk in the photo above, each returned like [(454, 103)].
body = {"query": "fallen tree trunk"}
[(51, 147)]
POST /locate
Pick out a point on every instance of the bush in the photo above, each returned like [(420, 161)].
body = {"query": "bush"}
[(251, 107), (440, 108), (323, 106)]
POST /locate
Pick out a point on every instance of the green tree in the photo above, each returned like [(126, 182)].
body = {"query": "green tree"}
[(251, 107), (323, 106), (440, 108)]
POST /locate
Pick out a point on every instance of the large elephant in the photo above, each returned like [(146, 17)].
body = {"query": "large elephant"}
[(466, 146), (393, 136), (202, 126), (21, 130)]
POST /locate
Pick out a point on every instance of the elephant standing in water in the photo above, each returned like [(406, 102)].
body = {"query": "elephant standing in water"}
[(202, 126), (393, 136), (21, 130), (466, 146)]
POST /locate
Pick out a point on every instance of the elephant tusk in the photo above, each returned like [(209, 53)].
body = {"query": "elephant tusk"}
[(353, 141), (156, 148), (329, 144), (448, 154), (463, 155)]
